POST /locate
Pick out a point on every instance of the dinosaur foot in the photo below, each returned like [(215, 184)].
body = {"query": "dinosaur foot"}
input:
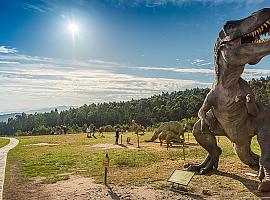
[(206, 166), (264, 186)]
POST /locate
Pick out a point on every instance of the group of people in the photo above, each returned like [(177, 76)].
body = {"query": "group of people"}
[(92, 131), (118, 133), (136, 127)]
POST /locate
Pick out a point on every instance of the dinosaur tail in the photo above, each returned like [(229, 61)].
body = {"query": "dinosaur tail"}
[(153, 138)]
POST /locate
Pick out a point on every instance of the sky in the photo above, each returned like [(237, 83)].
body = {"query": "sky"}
[(118, 50)]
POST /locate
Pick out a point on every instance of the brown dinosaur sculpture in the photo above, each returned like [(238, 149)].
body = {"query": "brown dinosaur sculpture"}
[(169, 131), (223, 113)]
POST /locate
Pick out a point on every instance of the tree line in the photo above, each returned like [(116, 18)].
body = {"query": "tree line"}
[(148, 112)]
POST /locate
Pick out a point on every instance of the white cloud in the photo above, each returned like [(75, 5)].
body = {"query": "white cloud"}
[(180, 70), (199, 62), (31, 82), (248, 73), (258, 71), (4, 49)]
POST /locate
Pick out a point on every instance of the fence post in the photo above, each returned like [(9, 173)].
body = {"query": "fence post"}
[(106, 165), (184, 153), (138, 140)]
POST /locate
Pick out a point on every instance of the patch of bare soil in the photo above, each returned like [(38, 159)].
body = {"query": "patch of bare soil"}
[(42, 144), (81, 188), (113, 146), (18, 187)]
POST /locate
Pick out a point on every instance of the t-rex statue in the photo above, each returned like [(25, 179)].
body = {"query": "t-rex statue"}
[(169, 131), (223, 112)]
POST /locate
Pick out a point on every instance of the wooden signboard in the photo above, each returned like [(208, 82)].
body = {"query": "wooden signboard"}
[(106, 162)]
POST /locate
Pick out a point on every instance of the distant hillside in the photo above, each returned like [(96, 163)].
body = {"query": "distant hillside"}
[(147, 111), (4, 117), (49, 109)]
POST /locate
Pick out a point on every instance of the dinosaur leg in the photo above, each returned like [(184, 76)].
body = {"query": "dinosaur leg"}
[(264, 172), (208, 141), (245, 154), (160, 142), (168, 139)]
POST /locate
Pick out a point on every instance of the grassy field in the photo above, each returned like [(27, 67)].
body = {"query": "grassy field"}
[(3, 142), (75, 154)]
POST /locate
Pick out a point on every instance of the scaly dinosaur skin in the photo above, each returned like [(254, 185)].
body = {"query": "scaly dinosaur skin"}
[(238, 44), (169, 131)]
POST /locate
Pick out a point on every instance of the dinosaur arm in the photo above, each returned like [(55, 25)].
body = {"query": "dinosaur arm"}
[(207, 104), (251, 105)]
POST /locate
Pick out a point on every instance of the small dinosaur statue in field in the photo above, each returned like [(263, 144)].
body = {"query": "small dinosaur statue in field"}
[(229, 108), (169, 131)]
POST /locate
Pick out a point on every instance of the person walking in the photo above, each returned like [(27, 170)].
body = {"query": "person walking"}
[(117, 132)]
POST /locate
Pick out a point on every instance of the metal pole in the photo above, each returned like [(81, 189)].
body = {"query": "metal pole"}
[(184, 154)]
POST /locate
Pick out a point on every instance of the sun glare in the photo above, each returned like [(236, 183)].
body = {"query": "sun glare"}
[(73, 28)]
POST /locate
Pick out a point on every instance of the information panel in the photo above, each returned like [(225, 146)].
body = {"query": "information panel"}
[(181, 177)]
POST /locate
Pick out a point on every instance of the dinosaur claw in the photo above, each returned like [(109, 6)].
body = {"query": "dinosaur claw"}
[(194, 168), (205, 170), (264, 186), (205, 167)]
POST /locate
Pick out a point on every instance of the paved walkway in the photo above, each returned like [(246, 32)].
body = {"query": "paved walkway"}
[(3, 157)]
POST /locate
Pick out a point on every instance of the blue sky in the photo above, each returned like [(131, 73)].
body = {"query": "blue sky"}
[(123, 49)]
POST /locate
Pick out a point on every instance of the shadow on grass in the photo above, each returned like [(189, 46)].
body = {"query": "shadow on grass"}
[(187, 194), (122, 145), (179, 145), (251, 185), (113, 195)]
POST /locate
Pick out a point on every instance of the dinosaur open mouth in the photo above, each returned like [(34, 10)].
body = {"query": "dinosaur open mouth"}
[(260, 35)]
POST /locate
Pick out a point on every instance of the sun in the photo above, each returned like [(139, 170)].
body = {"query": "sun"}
[(73, 28)]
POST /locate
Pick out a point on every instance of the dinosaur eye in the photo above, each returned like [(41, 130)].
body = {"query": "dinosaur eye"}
[(231, 26)]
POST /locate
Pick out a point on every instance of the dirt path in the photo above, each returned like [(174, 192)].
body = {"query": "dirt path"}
[(3, 157), (84, 188)]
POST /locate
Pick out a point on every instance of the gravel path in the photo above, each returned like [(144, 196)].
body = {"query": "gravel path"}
[(3, 157)]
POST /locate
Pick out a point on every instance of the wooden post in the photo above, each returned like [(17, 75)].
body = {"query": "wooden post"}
[(138, 140), (188, 137), (184, 153), (106, 165), (121, 138)]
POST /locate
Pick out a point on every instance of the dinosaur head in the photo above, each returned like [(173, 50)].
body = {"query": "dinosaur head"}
[(246, 40)]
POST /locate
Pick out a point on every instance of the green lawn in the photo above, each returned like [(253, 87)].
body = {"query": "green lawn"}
[(150, 165), (3, 142), (75, 154)]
